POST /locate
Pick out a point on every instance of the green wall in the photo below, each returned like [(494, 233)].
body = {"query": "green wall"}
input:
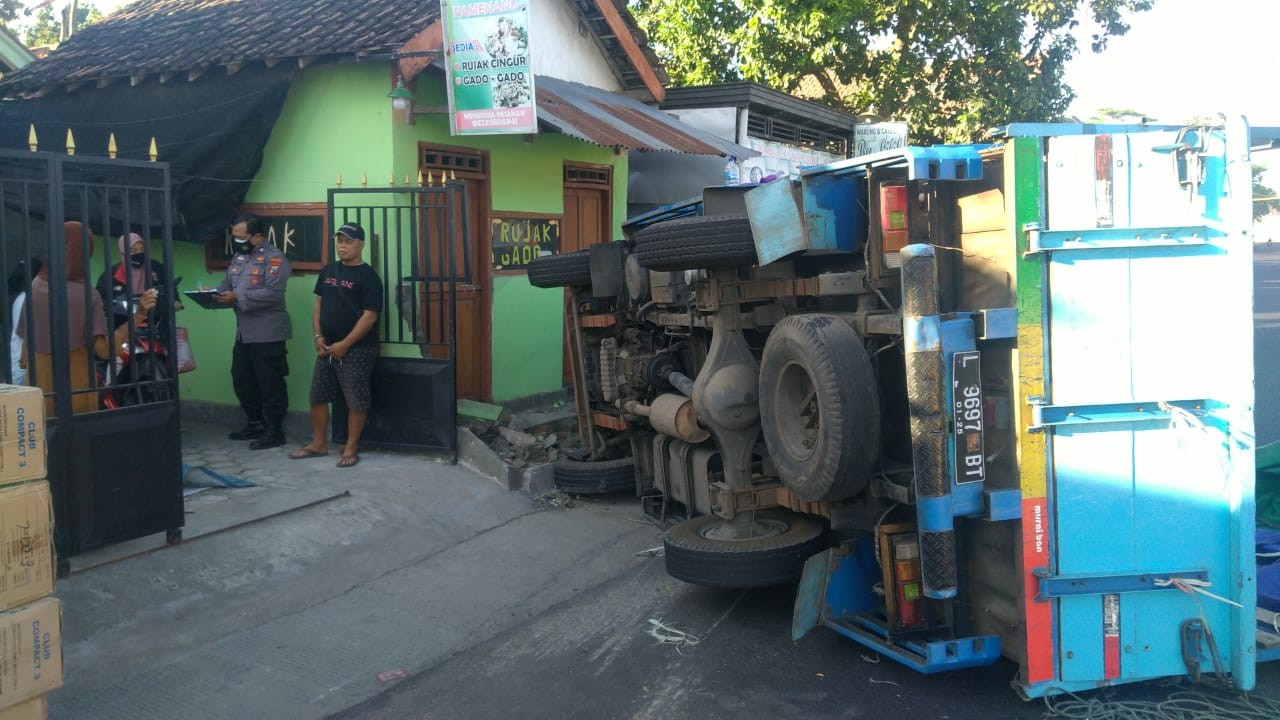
[(338, 120), (527, 175)]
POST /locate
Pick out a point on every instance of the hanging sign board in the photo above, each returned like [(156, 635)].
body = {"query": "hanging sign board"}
[(878, 137), (518, 238), (489, 70)]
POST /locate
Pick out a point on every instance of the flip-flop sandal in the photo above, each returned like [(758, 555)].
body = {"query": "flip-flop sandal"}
[(347, 461), (305, 452)]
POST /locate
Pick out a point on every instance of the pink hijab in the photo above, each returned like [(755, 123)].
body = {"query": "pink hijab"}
[(134, 278)]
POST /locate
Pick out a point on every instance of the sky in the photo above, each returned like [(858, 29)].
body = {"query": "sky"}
[(1188, 58)]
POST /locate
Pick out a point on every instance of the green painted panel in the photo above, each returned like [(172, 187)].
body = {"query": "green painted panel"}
[(528, 338), (1022, 173)]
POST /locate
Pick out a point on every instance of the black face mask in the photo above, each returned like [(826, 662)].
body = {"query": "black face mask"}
[(137, 259), (243, 247)]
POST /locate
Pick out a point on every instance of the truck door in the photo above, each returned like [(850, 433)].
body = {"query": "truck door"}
[(1149, 407)]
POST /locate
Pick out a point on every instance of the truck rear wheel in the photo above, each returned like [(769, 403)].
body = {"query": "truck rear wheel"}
[(595, 478), (703, 550), (564, 270), (819, 407), (694, 243)]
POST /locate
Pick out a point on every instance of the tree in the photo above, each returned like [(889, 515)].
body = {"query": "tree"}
[(950, 68), (9, 11), (49, 27), (1264, 198)]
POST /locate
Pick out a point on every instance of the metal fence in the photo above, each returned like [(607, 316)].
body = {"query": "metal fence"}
[(415, 239), (108, 377)]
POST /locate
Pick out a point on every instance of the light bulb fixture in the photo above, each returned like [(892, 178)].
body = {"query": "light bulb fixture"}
[(401, 96)]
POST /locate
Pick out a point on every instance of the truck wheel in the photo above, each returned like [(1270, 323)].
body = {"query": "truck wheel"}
[(595, 478), (819, 407), (698, 242), (699, 551), (564, 270)]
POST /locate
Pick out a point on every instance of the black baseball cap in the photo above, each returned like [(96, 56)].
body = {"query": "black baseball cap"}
[(353, 231)]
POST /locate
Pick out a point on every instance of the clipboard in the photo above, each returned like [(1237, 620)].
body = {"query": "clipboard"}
[(204, 298)]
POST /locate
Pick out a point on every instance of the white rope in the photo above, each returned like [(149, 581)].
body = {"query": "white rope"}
[(669, 635), (1192, 586)]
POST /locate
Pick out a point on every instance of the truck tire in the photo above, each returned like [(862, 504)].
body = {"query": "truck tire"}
[(694, 555), (595, 478), (694, 243), (819, 407), (564, 270)]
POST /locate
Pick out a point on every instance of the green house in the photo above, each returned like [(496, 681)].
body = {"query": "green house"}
[(269, 105)]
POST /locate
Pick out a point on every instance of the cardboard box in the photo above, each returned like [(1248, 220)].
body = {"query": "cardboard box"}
[(30, 651), (27, 567), (22, 446), (34, 709)]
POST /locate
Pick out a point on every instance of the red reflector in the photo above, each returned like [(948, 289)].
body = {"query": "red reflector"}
[(1111, 636)]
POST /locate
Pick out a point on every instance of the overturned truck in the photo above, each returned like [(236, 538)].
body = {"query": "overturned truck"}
[(966, 395)]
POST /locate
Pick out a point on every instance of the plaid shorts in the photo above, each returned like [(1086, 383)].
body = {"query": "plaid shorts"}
[(350, 376)]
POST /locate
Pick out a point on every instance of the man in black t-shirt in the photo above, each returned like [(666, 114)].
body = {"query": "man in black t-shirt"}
[(345, 321)]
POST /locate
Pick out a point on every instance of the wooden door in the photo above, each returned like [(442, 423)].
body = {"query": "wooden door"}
[(471, 266), (587, 217)]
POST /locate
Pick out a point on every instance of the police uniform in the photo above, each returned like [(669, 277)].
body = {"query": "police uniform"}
[(259, 362)]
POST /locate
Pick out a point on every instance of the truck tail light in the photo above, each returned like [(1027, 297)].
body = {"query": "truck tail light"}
[(907, 593), (893, 217)]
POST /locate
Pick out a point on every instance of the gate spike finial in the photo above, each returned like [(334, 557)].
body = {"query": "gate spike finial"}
[(71, 143), (153, 153), (452, 174), (392, 181), (339, 179), (421, 182), (431, 181), (32, 141), (406, 179), (364, 179), (111, 146)]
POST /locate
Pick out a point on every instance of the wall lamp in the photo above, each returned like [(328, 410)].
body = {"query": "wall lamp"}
[(401, 96)]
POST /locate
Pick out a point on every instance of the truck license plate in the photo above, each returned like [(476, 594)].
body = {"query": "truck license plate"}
[(966, 394)]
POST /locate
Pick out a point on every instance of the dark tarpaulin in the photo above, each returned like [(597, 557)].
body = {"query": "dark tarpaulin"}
[(211, 132)]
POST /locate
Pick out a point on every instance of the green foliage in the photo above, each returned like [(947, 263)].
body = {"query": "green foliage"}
[(950, 68), (47, 28), (1264, 198), (9, 12)]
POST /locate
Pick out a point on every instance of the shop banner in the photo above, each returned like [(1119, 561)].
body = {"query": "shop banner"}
[(490, 73)]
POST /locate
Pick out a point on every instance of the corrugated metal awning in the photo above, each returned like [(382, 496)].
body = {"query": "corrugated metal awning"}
[(617, 121)]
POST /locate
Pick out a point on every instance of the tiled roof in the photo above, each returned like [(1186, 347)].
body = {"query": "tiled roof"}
[(169, 36)]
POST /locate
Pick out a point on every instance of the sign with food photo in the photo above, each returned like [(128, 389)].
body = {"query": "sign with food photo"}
[(490, 72)]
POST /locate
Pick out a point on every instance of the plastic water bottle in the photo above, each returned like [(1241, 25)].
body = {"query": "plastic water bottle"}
[(731, 172)]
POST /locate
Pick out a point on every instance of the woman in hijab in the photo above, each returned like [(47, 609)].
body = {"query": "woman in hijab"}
[(130, 277), (86, 323)]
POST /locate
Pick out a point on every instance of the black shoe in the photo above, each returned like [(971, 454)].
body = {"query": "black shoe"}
[(268, 440), (250, 431)]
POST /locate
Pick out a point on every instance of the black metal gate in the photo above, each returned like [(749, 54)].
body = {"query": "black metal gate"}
[(114, 443), (416, 240)]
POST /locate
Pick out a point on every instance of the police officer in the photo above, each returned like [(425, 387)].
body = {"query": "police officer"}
[(254, 286)]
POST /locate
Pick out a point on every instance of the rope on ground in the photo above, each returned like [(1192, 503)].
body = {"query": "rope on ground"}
[(1203, 703), (670, 635)]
